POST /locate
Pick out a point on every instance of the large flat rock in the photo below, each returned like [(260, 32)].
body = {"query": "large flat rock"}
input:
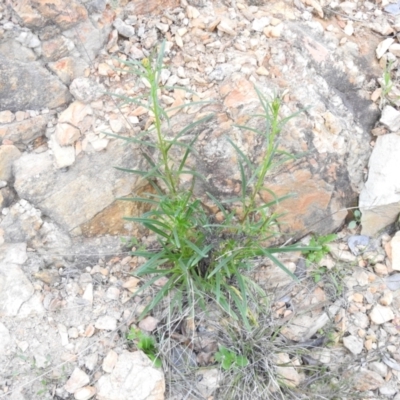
[(380, 198), (73, 197), (29, 86)]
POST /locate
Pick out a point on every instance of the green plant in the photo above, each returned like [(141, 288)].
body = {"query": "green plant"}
[(202, 259), (321, 243), (45, 387), (388, 90), (229, 358), (356, 220), (387, 83), (264, 376), (318, 273), (145, 343)]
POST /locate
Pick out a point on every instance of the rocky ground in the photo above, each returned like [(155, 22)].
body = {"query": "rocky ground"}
[(67, 295)]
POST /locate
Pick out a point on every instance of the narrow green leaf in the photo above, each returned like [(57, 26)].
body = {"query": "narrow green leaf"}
[(244, 183), (143, 253), (156, 230), (202, 253), (249, 128), (221, 263), (217, 289), (191, 126), (146, 285), (241, 306), (243, 288), (189, 104), (149, 221), (132, 171), (241, 154), (138, 200), (218, 204), (177, 242), (186, 155), (241, 361), (155, 261), (291, 248), (159, 296), (281, 266)]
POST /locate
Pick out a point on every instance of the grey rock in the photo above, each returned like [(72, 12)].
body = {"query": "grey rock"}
[(5, 339), (123, 28), (69, 68), (367, 380), (380, 198), (379, 367), (7, 196), (133, 378), (85, 393), (221, 71), (149, 323), (149, 39), (64, 156), (361, 277), (393, 282), (381, 314), (74, 197), (395, 247), (260, 23), (36, 88), (13, 253), (137, 54), (48, 32), (51, 237), (388, 390), (20, 225), (25, 131), (91, 42), (394, 9), (77, 380), (183, 358), (56, 48), (358, 244), (86, 90), (109, 361), (208, 381), (91, 361), (353, 344), (38, 14), (390, 362), (8, 154), (96, 6), (361, 320), (14, 50), (6, 117), (391, 118), (28, 39), (15, 288), (106, 323)]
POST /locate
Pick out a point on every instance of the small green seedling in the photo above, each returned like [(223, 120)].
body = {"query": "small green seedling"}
[(315, 256), (228, 358), (356, 220), (44, 389), (386, 84), (318, 274), (145, 343)]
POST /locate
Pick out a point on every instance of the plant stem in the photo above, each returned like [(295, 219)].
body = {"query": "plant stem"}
[(272, 131), (152, 78)]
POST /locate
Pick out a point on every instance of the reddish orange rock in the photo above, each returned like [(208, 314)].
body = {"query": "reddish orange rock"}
[(311, 195)]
